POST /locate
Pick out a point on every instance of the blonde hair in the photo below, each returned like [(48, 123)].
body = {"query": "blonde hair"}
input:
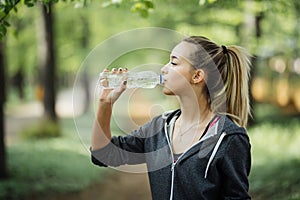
[(227, 81)]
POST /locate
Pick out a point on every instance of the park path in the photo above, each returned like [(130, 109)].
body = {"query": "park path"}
[(117, 186)]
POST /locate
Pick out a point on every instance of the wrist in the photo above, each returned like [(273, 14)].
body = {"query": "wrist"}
[(105, 102), (104, 107)]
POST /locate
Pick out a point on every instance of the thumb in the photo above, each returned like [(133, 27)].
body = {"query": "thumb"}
[(118, 91)]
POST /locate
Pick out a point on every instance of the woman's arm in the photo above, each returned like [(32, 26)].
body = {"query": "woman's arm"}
[(113, 151), (101, 134)]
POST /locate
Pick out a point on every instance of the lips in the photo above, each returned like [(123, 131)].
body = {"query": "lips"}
[(163, 81)]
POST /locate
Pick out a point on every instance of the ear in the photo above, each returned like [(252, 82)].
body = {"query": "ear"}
[(198, 76)]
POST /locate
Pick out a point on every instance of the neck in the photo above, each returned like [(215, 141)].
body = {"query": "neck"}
[(195, 110)]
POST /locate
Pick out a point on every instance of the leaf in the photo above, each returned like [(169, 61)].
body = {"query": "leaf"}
[(2, 14), (5, 23), (15, 9), (211, 1), (144, 13), (29, 3), (149, 4), (142, 7), (3, 30), (203, 2), (137, 6)]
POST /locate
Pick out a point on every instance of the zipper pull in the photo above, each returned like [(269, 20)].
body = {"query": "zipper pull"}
[(172, 167)]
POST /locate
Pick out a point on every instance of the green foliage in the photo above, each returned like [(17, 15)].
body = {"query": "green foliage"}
[(5, 7), (43, 130), (275, 154), (139, 6), (52, 166), (276, 181), (143, 7), (3, 28), (202, 2), (29, 3)]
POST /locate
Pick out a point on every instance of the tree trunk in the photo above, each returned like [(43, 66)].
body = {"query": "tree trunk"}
[(47, 62), (3, 167)]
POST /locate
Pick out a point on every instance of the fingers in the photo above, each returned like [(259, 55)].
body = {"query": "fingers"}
[(124, 85), (104, 77), (110, 93), (113, 70), (120, 70), (104, 83)]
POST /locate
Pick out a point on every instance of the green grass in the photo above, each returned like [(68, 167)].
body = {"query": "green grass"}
[(48, 166), (276, 160), (276, 181)]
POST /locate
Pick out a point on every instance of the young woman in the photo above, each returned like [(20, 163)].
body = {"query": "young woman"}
[(200, 151)]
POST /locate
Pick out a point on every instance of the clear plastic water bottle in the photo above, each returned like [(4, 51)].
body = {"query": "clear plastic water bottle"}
[(144, 79)]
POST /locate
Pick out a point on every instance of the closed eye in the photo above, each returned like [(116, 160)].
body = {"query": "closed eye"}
[(172, 59)]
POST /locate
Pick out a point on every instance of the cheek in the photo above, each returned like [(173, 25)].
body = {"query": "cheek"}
[(178, 81), (181, 77)]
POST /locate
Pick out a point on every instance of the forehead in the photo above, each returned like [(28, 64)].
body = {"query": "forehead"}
[(185, 50)]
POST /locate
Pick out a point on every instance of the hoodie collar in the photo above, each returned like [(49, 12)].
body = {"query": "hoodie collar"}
[(224, 124)]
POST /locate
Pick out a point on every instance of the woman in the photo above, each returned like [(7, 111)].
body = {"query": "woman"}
[(200, 151)]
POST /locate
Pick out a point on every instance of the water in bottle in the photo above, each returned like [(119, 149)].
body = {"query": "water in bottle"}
[(144, 79)]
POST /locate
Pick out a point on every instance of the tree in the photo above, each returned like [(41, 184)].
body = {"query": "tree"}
[(47, 57), (3, 168), (47, 64), (47, 61)]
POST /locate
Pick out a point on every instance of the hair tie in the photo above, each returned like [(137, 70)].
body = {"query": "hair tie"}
[(225, 51)]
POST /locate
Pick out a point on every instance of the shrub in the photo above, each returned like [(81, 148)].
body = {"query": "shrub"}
[(43, 130)]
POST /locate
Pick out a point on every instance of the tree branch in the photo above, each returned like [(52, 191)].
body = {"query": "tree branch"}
[(10, 5)]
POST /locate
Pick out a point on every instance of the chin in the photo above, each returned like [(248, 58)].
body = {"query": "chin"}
[(167, 91)]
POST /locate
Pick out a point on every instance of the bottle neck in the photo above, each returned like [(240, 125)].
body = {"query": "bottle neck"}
[(160, 79)]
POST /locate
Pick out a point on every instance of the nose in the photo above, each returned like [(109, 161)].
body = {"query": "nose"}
[(164, 69)]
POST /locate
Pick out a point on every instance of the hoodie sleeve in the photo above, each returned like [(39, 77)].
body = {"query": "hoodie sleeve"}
[(121, 150), (236, 165)]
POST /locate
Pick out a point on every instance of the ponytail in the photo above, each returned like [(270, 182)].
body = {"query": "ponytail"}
[(237, 84), (227, 90)]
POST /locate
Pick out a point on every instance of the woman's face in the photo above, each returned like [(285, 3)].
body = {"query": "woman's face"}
[(178, 72)]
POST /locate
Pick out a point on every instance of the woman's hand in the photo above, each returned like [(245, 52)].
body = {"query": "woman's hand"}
[(111, 95), (101, 134)]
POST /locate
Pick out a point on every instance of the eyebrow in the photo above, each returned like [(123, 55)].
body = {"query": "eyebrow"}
[(174, 57)]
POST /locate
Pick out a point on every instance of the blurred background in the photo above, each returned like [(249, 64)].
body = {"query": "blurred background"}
[(45, 128)]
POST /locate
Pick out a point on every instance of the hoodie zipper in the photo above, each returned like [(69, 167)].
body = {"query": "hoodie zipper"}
[(171, 126), (168, 136)]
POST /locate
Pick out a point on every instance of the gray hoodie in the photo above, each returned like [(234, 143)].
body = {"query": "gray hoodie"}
[(216, 167)]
